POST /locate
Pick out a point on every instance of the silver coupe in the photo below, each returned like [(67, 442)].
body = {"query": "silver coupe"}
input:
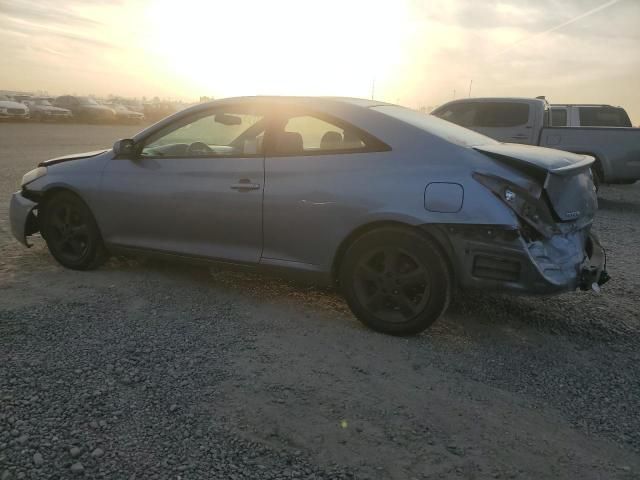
[(396, 208)]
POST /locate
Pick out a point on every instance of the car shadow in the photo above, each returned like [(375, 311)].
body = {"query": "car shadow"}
[(615, 204), (578, 315)]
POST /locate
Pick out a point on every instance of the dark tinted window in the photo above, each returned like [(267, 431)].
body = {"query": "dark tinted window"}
[(501, 114), (559, 117), (462, 114), (603, 117)]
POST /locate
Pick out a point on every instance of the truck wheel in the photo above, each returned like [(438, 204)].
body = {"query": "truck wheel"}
[(396, 281)]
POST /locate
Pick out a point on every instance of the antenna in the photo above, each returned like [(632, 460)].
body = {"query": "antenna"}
[(470, 84)]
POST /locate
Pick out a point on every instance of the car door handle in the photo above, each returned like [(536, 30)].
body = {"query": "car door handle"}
[(244, 184)]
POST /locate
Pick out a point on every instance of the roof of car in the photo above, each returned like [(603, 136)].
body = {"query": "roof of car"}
[(360, 102), (584, 105)]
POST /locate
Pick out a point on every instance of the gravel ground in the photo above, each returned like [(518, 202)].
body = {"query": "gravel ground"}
[(144, 369)]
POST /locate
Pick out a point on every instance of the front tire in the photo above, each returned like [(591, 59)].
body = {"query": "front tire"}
[(71, 232), (396, 281)]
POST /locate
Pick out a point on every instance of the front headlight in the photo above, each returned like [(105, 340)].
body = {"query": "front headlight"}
[(34, 174)]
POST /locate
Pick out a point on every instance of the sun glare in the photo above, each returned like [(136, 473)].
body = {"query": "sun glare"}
[(249, 48)]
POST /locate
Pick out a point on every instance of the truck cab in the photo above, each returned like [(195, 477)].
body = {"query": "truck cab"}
[(518, 120)]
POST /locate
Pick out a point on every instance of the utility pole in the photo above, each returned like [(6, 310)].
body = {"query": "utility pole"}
[(373, 87), (470, 84)]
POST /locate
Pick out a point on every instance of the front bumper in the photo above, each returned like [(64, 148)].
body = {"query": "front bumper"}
[(14, 116), (22, 218), (494, 258)]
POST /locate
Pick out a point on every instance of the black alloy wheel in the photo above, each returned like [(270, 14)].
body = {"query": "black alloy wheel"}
[(71, 233), (396, 280)]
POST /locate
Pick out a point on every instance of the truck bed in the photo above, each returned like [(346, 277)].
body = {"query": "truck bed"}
[(617, 150)]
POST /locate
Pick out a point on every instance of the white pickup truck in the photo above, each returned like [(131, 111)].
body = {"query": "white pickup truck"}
[(529, 121)]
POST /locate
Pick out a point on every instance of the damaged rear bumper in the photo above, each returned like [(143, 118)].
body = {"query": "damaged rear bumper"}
[(495, 258), (22, 217)]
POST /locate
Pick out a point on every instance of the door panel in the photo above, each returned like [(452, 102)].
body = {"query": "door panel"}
[(185, 205)]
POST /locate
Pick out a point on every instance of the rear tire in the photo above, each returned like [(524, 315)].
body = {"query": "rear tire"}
[(396, 280), (71, 232)]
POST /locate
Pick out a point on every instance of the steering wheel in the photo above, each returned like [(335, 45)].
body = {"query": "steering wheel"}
[(199, 148)]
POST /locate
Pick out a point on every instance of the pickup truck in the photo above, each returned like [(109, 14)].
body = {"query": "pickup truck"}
[(569, 115), (529, 121)]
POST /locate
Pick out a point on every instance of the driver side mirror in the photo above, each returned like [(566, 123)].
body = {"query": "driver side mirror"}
[(125, 148)]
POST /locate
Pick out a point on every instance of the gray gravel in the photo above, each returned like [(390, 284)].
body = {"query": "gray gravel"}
[(145, 369)]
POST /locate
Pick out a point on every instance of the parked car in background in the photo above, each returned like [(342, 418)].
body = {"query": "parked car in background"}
[(20, 97), (85, 109), (569, 115), (154, 111), (528, 121), (41, 110), (124, 114), (12, 110), (395, 207)]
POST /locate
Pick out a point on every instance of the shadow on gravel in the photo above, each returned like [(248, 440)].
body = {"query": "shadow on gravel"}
[(611, 204), (581, 316), (560, 315)]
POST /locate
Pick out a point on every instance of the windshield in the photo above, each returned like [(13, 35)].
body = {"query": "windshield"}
[(440, 128), (87, 101)]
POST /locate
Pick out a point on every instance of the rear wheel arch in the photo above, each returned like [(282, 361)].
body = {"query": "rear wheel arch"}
[(432, 232)]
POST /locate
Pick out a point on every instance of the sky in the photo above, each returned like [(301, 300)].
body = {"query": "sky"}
[(415, 53)]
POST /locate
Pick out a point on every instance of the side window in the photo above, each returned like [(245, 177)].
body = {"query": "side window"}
[(558, 117), (309, 134), (603, 117), (462, 114), (502, 114), (224, 133)]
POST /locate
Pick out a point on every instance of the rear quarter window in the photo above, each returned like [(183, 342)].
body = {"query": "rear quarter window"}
[(436, 126)]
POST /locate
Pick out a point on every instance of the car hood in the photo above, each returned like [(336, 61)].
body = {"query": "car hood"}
[(68, 158), (50, 108), (97, 108), (10, 104), (128, 112), (540, 159)]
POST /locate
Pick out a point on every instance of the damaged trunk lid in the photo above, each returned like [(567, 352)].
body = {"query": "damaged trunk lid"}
[(565, 177)]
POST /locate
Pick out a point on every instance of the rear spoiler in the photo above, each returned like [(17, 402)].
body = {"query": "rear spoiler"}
[(536, 170), (585, 162)]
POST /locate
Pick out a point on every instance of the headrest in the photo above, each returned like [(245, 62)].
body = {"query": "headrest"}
[(331, 141), (351, 140), (289, 142)]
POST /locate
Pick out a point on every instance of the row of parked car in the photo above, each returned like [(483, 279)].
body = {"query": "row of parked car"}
[(65, 108)]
